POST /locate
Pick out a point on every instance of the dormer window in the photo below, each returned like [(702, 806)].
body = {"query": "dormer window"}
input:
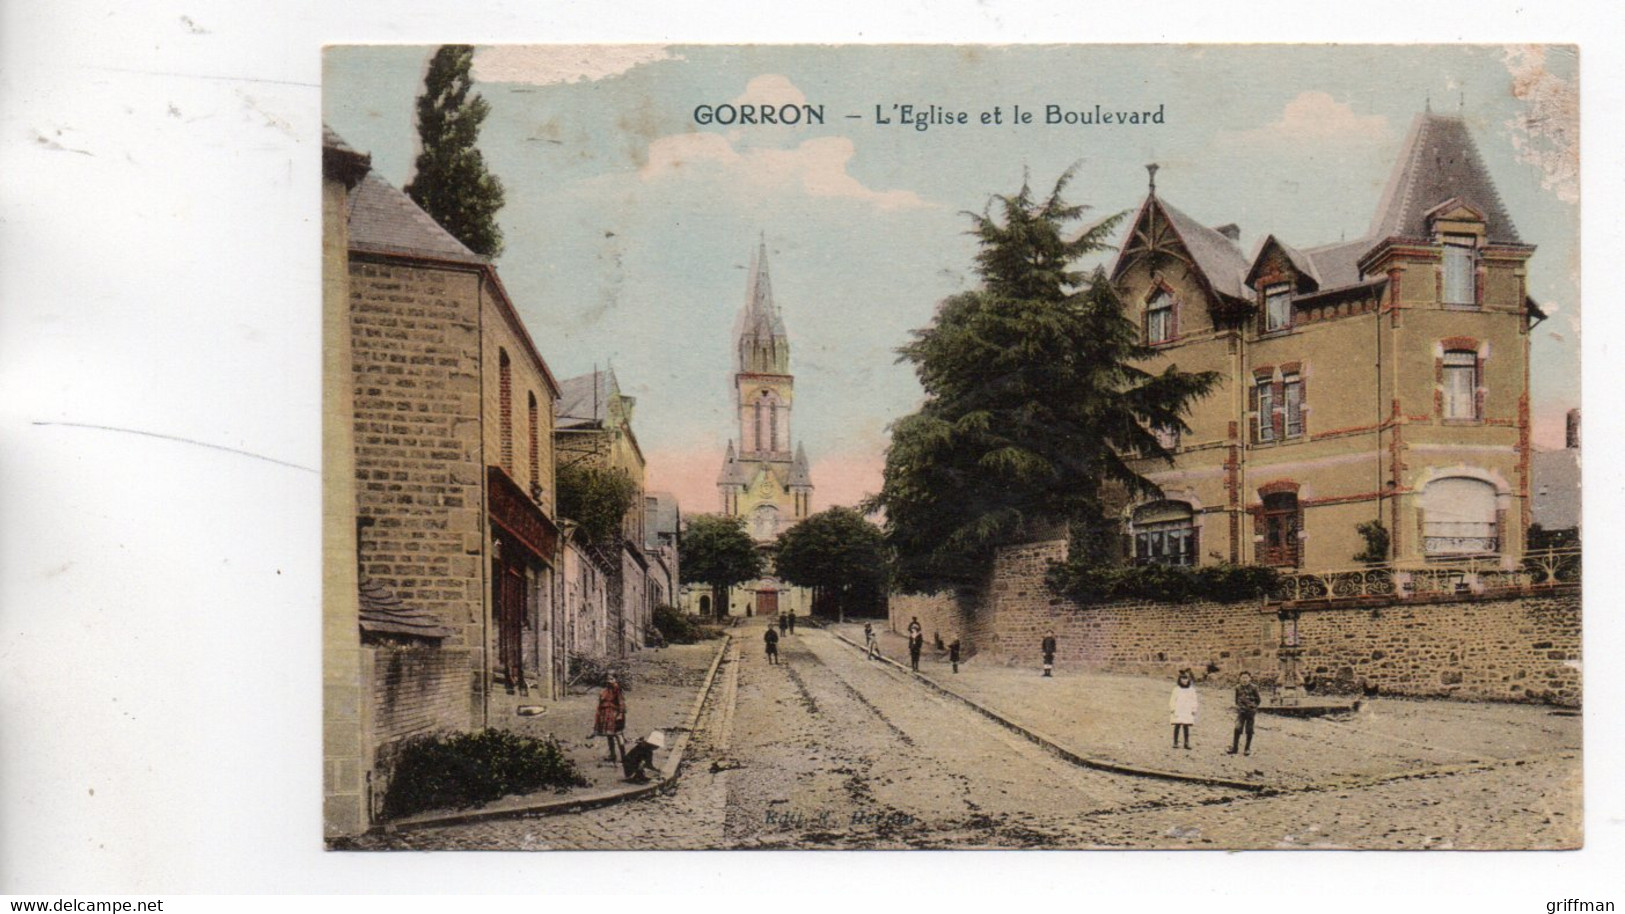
[(1159, 318), (1460, 268), (1277, 308)]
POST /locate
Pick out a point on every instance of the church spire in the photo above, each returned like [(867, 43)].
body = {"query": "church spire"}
[(764, 348)]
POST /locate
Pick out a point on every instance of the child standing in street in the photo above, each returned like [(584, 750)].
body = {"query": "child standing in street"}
[(953, 653), (1247, 702), (610, 721), (1048, 647), (1182, 706), (772, 640), (916, 644), (871, 645)]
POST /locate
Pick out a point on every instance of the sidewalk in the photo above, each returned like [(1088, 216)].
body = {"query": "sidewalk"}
[(662, 688), (1123, 720)]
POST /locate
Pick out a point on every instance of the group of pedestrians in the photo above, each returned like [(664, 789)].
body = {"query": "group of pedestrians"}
[(1183, 702), (637, 763), (1183, 705), (770, 638)]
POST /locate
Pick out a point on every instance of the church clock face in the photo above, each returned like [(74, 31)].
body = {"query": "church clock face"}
[(765, 486)]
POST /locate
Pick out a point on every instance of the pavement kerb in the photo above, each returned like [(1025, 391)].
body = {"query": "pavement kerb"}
[(523, 806), (1055, 748)]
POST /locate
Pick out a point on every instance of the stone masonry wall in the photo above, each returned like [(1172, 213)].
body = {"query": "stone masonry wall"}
[(417, 433), (418, 691), (1513, 648), (1524, 648)]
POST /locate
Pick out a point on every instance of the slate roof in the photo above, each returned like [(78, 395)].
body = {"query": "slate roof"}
[(383, 220), (1439, 161), (800, 474), (1554, 487), (733, 472), (384, 613), (584, 400), (1219, 259)]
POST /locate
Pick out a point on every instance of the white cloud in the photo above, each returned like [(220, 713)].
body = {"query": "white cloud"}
[(815, 168), (554, 64), (1313, 119), (771, 89)]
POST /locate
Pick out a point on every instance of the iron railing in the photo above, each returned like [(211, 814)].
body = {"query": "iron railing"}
[(1543, 568)]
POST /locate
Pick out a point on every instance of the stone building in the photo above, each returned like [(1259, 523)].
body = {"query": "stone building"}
[(451, 542), (1384, 379), (663, 521), (766, 481), (594, 428)]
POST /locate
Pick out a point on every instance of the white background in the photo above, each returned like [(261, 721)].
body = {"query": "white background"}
[(159, 601)]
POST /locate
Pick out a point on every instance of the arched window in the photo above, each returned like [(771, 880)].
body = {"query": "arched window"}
[(535, 448), (705, 605), (1165, 534), (764, 522), (505, 395), (1459, 517), (1160, 322)]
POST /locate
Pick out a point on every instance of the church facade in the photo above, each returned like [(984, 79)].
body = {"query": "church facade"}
[(765, 480)]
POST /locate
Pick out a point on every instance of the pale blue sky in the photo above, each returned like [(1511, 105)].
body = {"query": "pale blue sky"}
[(629, 225)]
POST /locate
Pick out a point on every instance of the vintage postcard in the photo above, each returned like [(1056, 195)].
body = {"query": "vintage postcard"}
[(912, 446)]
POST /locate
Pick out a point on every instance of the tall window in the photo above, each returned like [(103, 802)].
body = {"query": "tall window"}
[(1282, 520), (1264, 409), (535, 448), (1460, 281), (1461, 384), (505, 396), (1165, 534), (1292, 405), (1159, 318), (1277, 308), (1459, 517)]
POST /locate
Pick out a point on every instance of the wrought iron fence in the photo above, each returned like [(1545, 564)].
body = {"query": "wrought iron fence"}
[(1544, 568)]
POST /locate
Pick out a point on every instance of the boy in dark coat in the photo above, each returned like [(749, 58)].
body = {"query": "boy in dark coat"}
[(772, 639), (1247, 702), (1048, 647), (916, 644), (953, 653)]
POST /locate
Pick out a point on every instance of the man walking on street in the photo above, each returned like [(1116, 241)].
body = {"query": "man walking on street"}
[(1247, 702), (916, 643), (772, 639), (953, 653), (784, 623), (792, 621), (871, 645), (1048, 647)]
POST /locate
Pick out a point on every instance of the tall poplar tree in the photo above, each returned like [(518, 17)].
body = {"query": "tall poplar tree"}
[(1035, 406), (451, 183)]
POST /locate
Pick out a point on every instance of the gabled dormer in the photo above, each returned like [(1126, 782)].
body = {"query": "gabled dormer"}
[(1179, 275)]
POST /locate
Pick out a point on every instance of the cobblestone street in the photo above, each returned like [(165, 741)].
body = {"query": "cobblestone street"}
[(830, 750)]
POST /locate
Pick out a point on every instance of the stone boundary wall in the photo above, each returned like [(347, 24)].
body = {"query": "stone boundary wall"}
[(1497, 648), (416, 691)]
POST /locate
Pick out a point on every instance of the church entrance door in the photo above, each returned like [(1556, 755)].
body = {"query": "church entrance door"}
[(767, 602)]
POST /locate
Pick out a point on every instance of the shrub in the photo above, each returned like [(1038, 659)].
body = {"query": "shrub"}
[(1164, 583), (678, 628), (1376, 542), (453, 771)]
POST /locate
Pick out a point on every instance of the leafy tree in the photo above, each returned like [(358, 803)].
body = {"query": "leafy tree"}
[(451, 183), (1034, 405), (597, 499), (716, 551), (835, 552)]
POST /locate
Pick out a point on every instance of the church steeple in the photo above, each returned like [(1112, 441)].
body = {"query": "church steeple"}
[(768, 478), (763, 346)]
